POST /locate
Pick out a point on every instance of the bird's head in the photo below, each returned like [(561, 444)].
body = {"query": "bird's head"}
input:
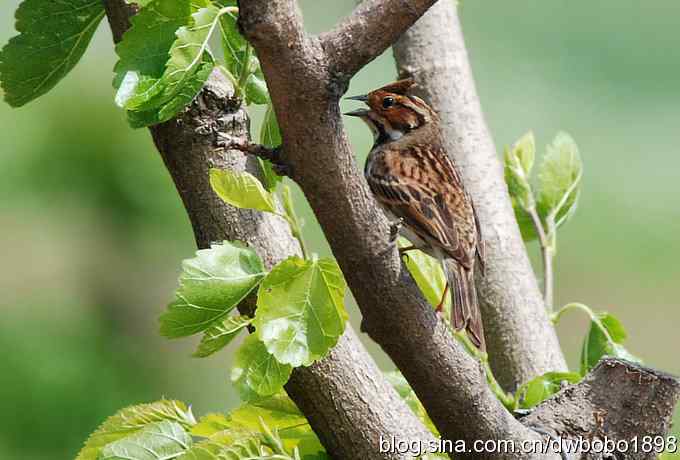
[(392, 112)]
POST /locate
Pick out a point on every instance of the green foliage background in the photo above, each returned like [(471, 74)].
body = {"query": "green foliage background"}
[(92, 231)]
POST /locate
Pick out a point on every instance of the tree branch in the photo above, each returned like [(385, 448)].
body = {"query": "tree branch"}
[(345, 397), (521, 341), (371, 28)]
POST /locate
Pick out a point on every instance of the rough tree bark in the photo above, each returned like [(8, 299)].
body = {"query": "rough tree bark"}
[(344, 396), (521, 341)]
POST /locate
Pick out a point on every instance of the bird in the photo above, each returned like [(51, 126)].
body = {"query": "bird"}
[(420, 189)]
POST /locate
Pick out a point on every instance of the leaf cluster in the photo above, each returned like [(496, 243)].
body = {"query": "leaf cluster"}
[(300, 310), (165, 57), (299, 317), (553, 196), (271, 428)]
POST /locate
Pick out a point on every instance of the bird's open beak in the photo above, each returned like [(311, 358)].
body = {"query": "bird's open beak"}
[(362, 98), (357, 113)]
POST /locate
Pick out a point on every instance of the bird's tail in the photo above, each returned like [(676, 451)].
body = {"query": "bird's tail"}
[(465, 312)]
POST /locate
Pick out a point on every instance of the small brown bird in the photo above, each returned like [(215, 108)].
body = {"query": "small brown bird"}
[(415, 181)]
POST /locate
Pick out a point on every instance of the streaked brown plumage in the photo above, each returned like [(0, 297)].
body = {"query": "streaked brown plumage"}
[(416, 182)]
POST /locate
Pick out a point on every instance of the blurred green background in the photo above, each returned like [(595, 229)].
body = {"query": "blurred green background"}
[(92, 231)]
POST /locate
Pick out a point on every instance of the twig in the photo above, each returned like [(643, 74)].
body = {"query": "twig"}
[(251, 148), (273, 155), (546, 241)]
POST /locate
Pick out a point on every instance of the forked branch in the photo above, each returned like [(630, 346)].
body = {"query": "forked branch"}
[(371, 28)]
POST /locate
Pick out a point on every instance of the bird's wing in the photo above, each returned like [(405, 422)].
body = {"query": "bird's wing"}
[(422, 186)]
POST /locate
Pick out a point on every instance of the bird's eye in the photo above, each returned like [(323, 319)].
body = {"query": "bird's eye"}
[(388, 102)]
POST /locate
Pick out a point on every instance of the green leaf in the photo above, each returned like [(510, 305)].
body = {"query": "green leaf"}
[(406, 393), (518, 161), (234, 46), (204, 450), (524, 221), (192, 85), (270, 136), (210, 424), (169, 109), (280, 413), (239, 446), (158, 441), (311, 449), (144, 50), (133, 419), (300, 310), (518, 164), (221, 334), (277, 411), (241, 62), (53, 36), (257, 373), (559, 178), (242, 190), (164, 59), (189, 53), (256, 87), (542, 387), (605, 337), (210, 286), (247, 449), (428, 275)]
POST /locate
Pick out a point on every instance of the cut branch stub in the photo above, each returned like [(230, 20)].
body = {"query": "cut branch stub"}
[(619, 401)]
